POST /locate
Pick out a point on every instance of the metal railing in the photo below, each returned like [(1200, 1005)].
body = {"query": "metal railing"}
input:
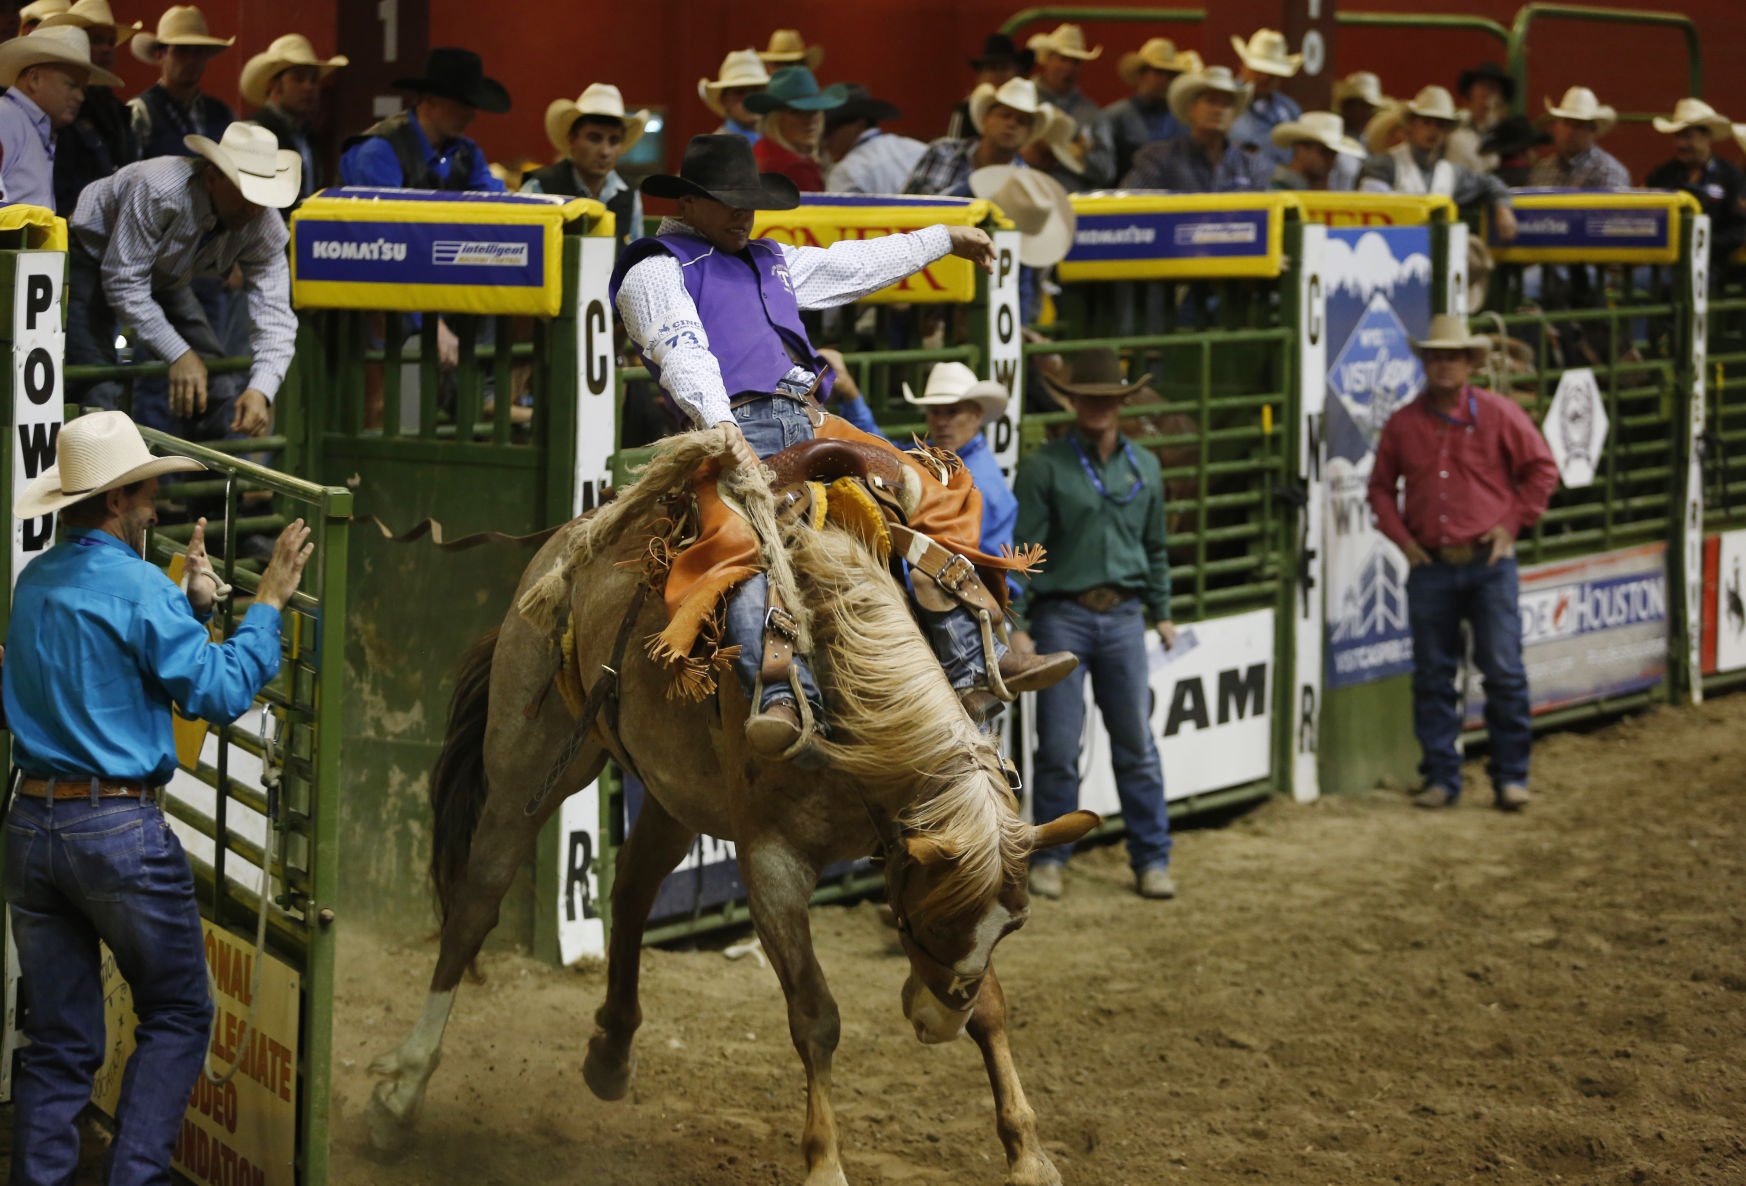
[(1530, 14)]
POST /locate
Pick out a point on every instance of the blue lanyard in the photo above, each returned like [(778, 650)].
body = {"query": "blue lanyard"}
[(1472, 420), (1102, 490)]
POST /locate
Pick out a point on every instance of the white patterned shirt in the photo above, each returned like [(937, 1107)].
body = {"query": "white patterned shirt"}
[(879, 163)]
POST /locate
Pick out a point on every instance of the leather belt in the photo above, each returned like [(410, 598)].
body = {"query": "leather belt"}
[(1100, 599), (1457, 554), (80, 788)]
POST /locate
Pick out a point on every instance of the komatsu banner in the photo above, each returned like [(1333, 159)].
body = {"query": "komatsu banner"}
[(1123, 236)]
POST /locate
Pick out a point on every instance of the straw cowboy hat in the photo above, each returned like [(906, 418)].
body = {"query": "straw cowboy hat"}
[(1692, 113), (1068, 41), (1094, 374), (1037, 205), (722, 167), (97, 452), (1061, 134), (794, 88), (1319, 127), (953, 383), (1265, 53), (1448, 331), (741, 68), (181, 24), (601, 99), (1020, 94), (250, 157), (1740, 134), (1579, 103), (63, 46), (1360, 84), (1159, 53), (459, 74), (1433, 102), (93, 14), (41, 10), (293, 49), (1188, 87), (788, 48)]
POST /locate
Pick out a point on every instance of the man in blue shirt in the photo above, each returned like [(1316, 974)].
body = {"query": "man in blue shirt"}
[(101, 645), (1266, 66), (425, 146), (46, 73)]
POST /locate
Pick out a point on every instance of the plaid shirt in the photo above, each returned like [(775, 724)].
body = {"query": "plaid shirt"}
[(945, 168), (1594, 169)]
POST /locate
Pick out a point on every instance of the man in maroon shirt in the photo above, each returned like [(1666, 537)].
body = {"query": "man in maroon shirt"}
[(1477, 473)]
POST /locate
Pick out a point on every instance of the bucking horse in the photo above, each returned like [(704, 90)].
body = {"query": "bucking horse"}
[(907, 778)]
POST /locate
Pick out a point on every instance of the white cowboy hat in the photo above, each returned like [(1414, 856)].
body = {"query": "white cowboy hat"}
[(1321, 127), (64, 46), (181, 24), (602, 99), (742, 67), (1448, 331), (1740, 134), (1159, 53), (788, 48), (1433, 102), (293, 49), (1579, 103), (1693, 113), (251, 158), (1360, 84), (1383, 124), (1188, 87), (93, 14), (1061, 134), (1264, 53), (1037, 206), (1020, 94), (953, 383), (97, 452), (41, 10), (1067, 41)]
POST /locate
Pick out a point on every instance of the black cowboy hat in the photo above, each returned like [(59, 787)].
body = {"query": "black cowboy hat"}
[(999, 50), (1514, 136), (860, 105), (1490, 72), (722, 167), (458, 74)]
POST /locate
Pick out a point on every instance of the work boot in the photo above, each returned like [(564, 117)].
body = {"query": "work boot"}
[(772, 731), (982, 705), (1434, 795), (1046, 880), (1155, 882), (1512, 796), (1033, 672)]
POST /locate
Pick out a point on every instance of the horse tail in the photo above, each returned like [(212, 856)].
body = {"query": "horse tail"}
[(457, 782)]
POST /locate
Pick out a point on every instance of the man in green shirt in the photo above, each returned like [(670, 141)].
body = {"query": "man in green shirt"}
[(1096, 504)]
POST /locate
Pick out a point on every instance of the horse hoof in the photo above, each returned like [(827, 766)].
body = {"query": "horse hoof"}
[(827, 1176), (1033, 1170), (390, 1135), (607, 1077)]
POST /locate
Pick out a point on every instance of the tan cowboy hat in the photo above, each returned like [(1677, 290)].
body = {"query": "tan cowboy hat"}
[(1433, 102), (1740, 134), (1188, 87), (1096, 373), (1061, 134), (953, 383), (293, 49), (1265, 53), (251, 158), (94, 14), (1692, 113), (1320, 127), (1384, 123), (1448, 331), (181, 24), (1159, 54), (1020, 94), (1360, 84), (1580, 103), (1066, 40), (41, 10), (602, 99), (97, 452), (1037, 205), (63, 46), (788, 48), (742, 67)]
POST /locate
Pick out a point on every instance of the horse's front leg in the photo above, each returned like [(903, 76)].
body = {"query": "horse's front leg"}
[(779, 883), (1026, 1163)]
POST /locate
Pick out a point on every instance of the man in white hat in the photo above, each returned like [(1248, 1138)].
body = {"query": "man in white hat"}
[(1005, 120), (1145, 115), (32, 15), (1206, 160), (101, 644), (742, 75), (1718, 185), (101, 139), (590, 133), (1061, 55), (175, 107), (283, 82), (138, 241), (1357, 97), (1576, 161), (45, 75), (1265, 67), (1477, 473), (1419, 165), (1317, 142)]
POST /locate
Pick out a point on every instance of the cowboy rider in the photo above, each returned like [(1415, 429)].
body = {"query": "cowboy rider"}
[(716, 314)]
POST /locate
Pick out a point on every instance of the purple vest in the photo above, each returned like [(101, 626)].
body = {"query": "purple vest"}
[(747, 306)]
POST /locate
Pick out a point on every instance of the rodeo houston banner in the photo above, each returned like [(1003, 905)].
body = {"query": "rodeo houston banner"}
[(1379, 299)]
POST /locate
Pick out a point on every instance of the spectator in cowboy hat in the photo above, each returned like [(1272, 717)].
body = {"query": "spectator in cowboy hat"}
[(741, 76), (1266, 66), (1417, 165), (1096, 502), (591, 133), (426, 146), (791, 125), (788, 48), (999, 60), (1718, 185), (283, 83), (1004, 120), (1486, 92), (1061, 54), (45, 73), (960, 409), (868, 160), (1357, 97), (101, 139), (32, 15), (1511, 143), (174, 107), (1145, 115), (1386, 128), (1316, 141), (1206, 160), (1576, 161), (1059, 151), (101, 644), (1476, 473)]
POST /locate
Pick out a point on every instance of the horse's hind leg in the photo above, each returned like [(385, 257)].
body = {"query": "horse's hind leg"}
[(656, 844), (1026, 1163)]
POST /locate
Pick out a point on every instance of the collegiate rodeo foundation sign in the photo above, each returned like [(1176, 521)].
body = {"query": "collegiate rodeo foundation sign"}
[(1576, 226), (824, 219), (1176, 237)]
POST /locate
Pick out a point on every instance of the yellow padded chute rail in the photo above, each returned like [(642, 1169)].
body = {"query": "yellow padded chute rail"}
[(1562, 226)]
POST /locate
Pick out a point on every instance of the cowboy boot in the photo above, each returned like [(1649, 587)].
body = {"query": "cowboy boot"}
[(1031, 672), (773, 730)]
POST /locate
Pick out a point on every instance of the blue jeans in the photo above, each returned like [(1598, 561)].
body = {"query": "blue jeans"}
[(1439, 597), (1112, 649), (77, 873)]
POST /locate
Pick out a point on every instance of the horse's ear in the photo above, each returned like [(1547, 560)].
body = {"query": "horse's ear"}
[(925, 850), (1066, 829)]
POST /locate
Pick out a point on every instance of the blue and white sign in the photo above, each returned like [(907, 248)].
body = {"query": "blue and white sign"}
[(474, 254), (1142, 235)]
